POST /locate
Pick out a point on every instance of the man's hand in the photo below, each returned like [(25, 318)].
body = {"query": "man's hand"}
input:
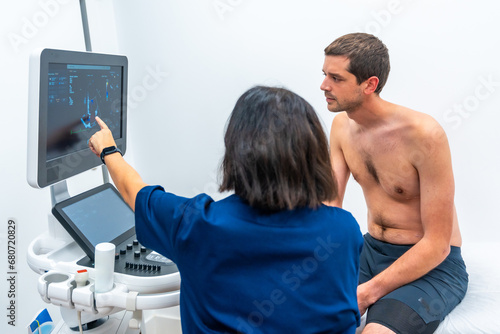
[(101, 139), (365, 298)]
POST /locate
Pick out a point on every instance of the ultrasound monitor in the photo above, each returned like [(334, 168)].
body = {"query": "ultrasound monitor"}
[(68, 89)]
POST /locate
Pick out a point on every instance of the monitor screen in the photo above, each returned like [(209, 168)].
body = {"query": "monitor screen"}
[(68, 89), (77, 94), (95, 216)]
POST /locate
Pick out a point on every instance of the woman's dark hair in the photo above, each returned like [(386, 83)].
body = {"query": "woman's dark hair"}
[(276, 152)]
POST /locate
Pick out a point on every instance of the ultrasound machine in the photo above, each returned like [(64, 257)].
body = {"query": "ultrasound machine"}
[(68, 89)]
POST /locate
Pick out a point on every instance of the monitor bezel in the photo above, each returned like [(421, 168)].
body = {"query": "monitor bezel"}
[(73, 163), (73, 229)]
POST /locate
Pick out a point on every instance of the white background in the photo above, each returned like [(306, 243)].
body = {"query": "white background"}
[(190, 60)]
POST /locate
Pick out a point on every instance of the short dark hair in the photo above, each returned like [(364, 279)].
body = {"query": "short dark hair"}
[(276, 152), (367, 55)]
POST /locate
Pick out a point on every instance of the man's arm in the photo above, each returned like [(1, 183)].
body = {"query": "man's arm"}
[(432, 159), (126, 179), (339, 165)]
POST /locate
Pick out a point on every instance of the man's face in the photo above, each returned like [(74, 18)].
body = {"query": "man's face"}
[(340, 86)]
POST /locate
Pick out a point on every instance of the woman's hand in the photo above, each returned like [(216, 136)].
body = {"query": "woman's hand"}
[(126, 179), (101, 139)]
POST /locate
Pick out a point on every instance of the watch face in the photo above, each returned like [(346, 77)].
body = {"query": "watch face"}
[(110, 149)]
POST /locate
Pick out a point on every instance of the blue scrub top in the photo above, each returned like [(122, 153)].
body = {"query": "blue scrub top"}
[(244, 270)]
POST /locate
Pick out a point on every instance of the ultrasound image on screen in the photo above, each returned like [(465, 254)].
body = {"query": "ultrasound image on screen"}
[(77, 94), (101, 217)]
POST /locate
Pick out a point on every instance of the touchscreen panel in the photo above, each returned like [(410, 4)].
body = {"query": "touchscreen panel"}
[(99, 215)]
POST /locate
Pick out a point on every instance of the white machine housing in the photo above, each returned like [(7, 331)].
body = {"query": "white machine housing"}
[(55, 254)]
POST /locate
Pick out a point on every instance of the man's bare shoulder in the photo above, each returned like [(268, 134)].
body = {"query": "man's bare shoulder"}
[(340, 119), (422, 135), (340, 125), (420, 126)]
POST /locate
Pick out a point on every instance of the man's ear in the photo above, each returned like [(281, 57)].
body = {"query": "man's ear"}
[(371, 85)]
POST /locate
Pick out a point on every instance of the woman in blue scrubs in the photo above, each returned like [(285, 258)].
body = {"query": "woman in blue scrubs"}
[(270, 257)]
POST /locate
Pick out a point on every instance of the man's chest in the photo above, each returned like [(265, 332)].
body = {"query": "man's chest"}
[(383, 165)]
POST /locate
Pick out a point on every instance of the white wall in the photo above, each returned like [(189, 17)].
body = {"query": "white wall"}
[(189, 62)]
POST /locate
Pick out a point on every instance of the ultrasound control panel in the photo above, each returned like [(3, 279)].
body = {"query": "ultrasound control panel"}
[(131, 258)]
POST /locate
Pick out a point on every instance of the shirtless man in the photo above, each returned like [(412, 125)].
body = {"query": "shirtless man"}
[(412, 274)]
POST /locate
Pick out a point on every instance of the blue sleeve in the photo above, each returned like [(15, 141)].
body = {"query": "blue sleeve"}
[(162, 218)]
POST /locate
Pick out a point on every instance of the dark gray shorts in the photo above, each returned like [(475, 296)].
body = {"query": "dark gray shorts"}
[(432, 296)]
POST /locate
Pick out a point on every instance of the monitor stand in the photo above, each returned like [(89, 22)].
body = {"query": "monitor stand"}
[(59, 191)]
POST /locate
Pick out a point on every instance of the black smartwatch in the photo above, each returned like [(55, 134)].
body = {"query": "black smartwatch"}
[(109, 150)]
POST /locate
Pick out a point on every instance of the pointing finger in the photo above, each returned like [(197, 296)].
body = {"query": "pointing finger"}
[(101, 123)]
